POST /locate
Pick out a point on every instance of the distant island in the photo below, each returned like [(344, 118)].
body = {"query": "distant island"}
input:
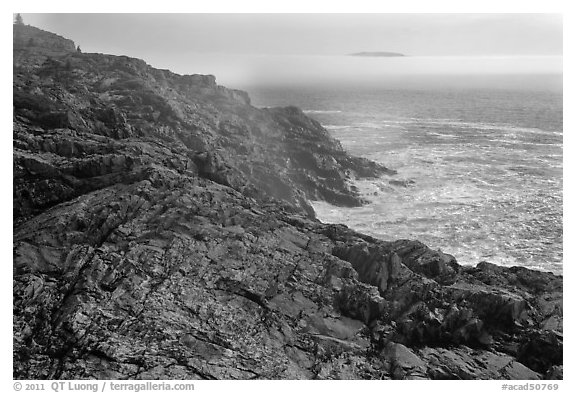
[(377, 54)]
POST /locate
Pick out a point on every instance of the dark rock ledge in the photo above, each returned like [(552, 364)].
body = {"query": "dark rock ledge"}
[(162, 230)]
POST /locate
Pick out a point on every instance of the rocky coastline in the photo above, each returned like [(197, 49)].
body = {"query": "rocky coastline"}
[(162, 230)]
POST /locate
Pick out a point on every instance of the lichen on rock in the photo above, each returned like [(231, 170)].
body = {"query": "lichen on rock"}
[(162, 230)]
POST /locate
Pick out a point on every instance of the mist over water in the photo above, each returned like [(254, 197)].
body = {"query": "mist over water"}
[(249, 71), (481, 158)]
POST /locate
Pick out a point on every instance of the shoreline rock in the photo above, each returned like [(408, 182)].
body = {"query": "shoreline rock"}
[(162, 230)]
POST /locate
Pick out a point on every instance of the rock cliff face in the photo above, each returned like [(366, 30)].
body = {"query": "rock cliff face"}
[(162, 230)]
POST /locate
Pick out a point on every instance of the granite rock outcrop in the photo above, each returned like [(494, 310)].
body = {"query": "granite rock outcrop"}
[(162, 230)]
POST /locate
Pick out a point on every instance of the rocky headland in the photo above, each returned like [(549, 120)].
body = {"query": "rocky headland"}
[(162, 230)]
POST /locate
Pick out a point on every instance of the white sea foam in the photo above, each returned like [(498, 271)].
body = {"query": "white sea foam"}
[(511, 130), (519, 142), (334, 127), (320, 111), (455, 123), (442, 135), (488, 126), (487, 167)]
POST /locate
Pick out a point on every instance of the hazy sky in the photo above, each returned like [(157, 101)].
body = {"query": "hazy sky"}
[(249, 49), (303, 34)]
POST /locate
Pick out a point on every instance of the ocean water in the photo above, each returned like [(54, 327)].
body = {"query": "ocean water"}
[(481, 166)]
